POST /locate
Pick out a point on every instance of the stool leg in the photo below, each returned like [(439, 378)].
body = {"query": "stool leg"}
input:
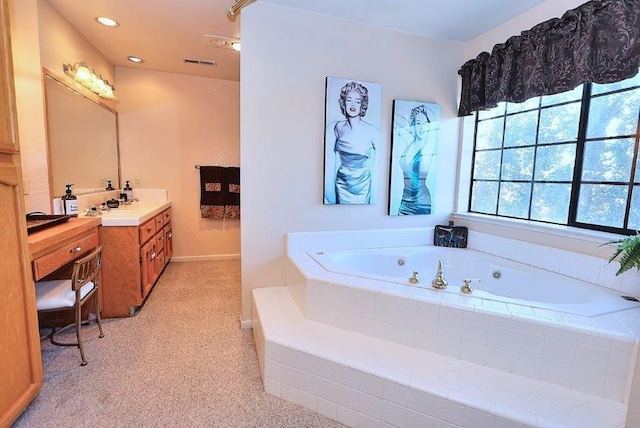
[(96, 304), (79, 333)]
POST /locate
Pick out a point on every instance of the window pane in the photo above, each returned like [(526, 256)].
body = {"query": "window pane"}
[(634, 214), (521, 129), (637, 179), (602, 204), (487, 165), (628, 83), (614, 115), (514, 199), (529, 104), (517, 164), (496, 111), (484, 197), (559, 123), (490, 134), (573, 95), (551, 202), (555, 163), (608, 160)]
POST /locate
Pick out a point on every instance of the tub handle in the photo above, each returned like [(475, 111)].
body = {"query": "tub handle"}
[(465, 288), (414, 278)]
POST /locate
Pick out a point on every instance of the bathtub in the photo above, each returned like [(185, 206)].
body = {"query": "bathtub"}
[(494, 278)]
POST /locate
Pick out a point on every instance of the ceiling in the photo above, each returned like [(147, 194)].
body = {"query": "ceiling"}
[(165, 32)]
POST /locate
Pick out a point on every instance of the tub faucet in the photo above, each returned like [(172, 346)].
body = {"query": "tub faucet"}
[(439, 282)]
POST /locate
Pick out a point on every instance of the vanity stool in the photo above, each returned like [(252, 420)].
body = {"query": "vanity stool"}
[(64, 294)]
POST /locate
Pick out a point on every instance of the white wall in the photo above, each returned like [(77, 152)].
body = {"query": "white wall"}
[(286, 56), (168, 123)]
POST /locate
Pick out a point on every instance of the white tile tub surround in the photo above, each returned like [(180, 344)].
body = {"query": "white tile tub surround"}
[(581, 266), (361, 380), (589, 354)]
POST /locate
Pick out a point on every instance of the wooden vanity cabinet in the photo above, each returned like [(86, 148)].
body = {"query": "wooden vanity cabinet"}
[(20, 358), (133, 259)]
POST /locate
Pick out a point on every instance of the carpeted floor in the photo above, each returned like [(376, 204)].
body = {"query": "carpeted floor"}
[(182, 361)]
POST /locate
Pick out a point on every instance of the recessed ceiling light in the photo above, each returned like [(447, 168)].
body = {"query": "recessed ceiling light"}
[(236, 46), (108, 22), (135, 59)]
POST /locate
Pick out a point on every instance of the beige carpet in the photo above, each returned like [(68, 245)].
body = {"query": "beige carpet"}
[(182, 361)]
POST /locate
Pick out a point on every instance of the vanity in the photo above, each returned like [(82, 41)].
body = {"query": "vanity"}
[(53, 251), (137, 243)]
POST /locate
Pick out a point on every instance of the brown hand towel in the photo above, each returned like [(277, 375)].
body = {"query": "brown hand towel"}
[(232, 203), (212, 191)]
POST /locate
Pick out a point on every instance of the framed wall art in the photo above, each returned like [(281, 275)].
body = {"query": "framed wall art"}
[(414, 153), (352, 135)]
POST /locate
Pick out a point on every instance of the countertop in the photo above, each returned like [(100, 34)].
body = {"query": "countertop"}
[(130, 215), (40, 241)]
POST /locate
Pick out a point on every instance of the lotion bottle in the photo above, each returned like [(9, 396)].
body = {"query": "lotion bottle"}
[(70, 202), (128, 190)]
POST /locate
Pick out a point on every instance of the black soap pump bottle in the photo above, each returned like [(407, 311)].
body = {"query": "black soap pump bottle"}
[(70, 202), (109, 186), (128, 191)]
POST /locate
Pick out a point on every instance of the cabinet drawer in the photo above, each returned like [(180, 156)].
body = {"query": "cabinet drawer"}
[(160, 222), (147, 230), (56, 259), (167, 216), (160, 238)]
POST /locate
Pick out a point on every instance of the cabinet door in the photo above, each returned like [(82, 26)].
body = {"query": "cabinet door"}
[(148, 266), (20, 358), (168, 242)]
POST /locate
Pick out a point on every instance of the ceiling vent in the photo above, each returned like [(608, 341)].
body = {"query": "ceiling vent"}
[(200, 62)]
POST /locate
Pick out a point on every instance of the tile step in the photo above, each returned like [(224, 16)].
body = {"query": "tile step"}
[(360, 380)]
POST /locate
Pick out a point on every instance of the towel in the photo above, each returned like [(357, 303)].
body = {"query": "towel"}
[(212, 194), (219, 192), (232, 203)]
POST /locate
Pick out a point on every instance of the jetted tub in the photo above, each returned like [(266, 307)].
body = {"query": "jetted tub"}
[(500, 279)]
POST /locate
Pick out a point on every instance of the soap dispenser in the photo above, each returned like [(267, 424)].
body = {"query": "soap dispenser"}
[(109, 186), (128, 190), (70, 202)]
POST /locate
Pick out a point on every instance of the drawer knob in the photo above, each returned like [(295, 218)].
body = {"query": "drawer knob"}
[(161, 238), (75, 250)]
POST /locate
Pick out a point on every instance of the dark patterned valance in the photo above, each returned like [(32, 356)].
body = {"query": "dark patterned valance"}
[(596, 42)]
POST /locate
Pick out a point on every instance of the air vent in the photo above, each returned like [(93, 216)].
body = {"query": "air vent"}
[(200, 62)]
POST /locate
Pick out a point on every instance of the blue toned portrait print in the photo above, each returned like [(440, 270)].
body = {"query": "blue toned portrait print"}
[(413, 157), (352, 134)]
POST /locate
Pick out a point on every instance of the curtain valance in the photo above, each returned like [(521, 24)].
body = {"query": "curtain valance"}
[(596, 42)]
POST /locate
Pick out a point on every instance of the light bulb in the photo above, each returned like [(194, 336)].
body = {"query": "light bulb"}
[(236, 46), (82, 73)]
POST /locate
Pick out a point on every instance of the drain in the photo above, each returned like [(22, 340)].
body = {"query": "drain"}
[(496, 274), (401, 262)]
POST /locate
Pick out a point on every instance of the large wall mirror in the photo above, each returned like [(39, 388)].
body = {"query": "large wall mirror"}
[(82, 136)]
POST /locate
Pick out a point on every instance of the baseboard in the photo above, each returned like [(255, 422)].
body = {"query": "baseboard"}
[(244, 324), (206, 258)]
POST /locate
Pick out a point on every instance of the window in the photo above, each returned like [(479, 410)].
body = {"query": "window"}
[(570, 158)]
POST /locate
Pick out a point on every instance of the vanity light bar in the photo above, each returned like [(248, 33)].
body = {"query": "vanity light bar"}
[(89, 79)]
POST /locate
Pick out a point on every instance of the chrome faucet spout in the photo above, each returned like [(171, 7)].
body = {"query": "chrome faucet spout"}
[(439, 282)]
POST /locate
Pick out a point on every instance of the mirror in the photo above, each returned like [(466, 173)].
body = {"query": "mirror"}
[(82, 137)]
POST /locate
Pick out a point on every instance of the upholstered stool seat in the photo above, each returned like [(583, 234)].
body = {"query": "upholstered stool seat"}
[(58, 294)]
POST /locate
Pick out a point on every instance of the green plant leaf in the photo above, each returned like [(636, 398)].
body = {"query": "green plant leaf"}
[(629, 251)]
